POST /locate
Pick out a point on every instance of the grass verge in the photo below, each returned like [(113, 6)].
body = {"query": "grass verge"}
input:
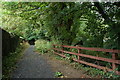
[(8, 63), (90, 71)]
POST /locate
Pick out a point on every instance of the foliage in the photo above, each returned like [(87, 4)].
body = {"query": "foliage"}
[(59, 57), (58, 74), (90, 24), (43, 46), (8, 64), (93, 72), (19, 24), (95, 24), (20, 27)]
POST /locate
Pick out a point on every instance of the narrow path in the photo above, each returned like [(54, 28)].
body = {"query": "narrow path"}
[(32, 65)]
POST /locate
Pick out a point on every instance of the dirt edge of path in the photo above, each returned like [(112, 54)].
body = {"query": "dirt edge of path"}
[(64, 67)]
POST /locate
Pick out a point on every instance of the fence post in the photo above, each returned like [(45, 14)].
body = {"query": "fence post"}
[(62, 49), (114, 57), (79, 51), (53, 47)]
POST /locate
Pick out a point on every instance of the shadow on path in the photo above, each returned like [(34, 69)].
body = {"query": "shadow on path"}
[(32, 65)]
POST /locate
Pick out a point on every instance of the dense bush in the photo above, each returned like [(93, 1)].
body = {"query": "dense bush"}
[(43, 46)]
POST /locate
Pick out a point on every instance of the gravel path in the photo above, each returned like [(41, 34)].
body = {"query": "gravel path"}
[(32, 65)]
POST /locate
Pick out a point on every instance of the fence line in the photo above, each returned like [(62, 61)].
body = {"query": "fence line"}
[(114, 60)]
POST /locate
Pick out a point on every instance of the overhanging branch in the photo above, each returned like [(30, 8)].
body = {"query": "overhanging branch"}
[(31, 9), (101, 11)]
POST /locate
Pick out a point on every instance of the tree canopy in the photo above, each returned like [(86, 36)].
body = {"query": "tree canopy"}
[(92, 24)]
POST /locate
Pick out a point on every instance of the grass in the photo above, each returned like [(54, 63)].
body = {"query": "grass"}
[(9, 62)]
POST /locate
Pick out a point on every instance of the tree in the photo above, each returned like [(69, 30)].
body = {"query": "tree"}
[(93, 24)]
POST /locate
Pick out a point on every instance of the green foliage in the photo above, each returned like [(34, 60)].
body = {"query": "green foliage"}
[(57, 20), (93, 72), (8, 62), (43, 46), (55, 41), (61, 26), (58, 74), (17, 20), (68, 56), (66, 23), (59, 57)]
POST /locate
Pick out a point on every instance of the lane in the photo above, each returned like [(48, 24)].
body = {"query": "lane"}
[(32, 65)]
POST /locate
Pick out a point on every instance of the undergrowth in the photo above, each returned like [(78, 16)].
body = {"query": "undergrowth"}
[(93, 72), (43, 46), (58, 74), (9, 62)]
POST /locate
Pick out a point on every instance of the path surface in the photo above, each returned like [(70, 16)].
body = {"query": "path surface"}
[(68, 69), (32, 65)]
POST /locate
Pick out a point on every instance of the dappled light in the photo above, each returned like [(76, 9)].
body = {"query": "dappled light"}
[(85, 34)]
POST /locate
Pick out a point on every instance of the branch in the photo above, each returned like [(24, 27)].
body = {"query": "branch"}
[(31, 9), (117, 4), (101, 11)]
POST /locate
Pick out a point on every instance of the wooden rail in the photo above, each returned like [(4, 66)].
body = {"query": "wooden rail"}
[(114, 60)]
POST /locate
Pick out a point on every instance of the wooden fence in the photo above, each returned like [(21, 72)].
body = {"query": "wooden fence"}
[(114, 54)]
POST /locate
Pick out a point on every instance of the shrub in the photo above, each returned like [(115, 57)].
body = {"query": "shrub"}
[(43, 46)]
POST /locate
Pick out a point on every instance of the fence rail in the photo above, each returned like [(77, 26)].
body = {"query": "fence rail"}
[(114, 60)]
